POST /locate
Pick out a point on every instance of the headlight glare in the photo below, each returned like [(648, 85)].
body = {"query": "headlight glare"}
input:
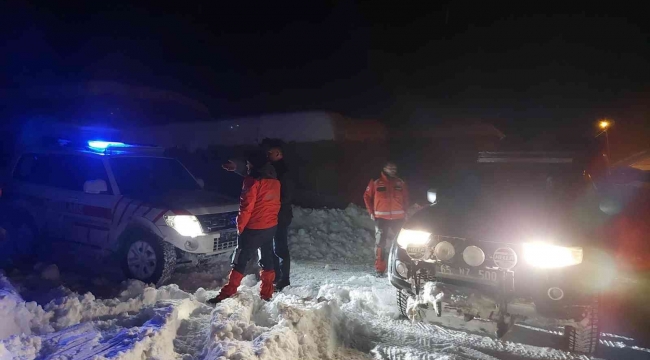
[(186, 225), (413, 238), (548, 256)]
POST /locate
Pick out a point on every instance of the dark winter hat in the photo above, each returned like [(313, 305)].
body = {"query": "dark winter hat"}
[(256, 158), (268, 143)]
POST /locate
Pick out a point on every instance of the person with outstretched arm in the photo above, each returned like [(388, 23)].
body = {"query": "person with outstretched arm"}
[(387, 201), (282, 258), (256, 225)]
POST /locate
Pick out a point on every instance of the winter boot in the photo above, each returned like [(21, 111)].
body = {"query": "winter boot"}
[(380, 263), (266, 289), (230, 288), (281, 284)]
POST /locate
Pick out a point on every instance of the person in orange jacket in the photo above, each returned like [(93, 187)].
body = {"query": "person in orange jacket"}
[(387, 201), (257, 220)]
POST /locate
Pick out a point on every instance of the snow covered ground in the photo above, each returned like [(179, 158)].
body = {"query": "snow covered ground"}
[(335, 309)]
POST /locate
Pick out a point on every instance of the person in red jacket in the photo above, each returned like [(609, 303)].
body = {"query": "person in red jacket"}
[(387, 201), (257, 220)]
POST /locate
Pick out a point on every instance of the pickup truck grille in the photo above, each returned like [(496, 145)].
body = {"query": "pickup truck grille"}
[(227, 240), (216, 222)]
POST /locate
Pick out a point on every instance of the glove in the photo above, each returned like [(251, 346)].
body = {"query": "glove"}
[(229, 166), (372, 217)]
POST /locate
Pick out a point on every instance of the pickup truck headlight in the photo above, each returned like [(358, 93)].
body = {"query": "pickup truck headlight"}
[(548, 256), (186, 225), (413, 237)]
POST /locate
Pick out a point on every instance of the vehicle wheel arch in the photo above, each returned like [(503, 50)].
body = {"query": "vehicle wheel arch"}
[(133, 226), (12, 219), (17, 214)]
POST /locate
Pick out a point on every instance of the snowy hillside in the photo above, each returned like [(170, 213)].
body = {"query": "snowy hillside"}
[(334, 309)]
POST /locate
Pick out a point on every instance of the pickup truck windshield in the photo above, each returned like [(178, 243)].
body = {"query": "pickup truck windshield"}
[(151, 175), (497, 182)]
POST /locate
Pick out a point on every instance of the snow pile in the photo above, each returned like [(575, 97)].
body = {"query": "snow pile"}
[(120, 338), (16, 316), (83, 325), (332, 234), (289, 327), (338, 313)]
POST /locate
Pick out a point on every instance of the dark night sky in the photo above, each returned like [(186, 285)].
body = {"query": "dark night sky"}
[(513, 65)]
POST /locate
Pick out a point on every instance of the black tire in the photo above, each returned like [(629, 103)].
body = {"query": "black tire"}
[(402, 301), (585, 337), (164, 252)]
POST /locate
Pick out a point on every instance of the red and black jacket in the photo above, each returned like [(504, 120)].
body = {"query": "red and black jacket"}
[(259, 203)]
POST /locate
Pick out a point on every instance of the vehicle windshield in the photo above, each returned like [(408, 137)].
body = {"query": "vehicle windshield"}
[(526, 182), (151, 175)]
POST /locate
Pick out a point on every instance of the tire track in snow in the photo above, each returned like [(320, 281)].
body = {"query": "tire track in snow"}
[(364, 301)]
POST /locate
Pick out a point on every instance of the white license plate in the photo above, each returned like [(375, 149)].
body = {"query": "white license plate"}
[(469, 274), (416, 252)]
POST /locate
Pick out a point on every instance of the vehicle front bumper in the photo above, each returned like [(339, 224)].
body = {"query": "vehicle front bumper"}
[(521, 292), (214, 243)]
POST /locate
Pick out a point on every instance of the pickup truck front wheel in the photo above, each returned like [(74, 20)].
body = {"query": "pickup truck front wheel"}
[(402, 302), (585, 336), (147, 258)]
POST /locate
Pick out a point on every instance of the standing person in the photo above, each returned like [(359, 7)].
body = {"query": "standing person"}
[(282, 259), (257, 220), (387, 201)]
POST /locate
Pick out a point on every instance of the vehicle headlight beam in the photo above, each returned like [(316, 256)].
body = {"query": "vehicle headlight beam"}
[(186, 225), (548, 256), (413, 238)]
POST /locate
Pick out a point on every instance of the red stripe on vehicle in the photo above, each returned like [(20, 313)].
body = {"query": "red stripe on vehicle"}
[(117, 204), (136, 209), (117, 215), (125, 210), (97, 211), (159, 216), (148, 211), (181, 212)]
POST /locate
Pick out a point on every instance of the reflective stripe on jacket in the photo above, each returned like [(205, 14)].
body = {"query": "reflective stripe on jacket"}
[(387, 198)]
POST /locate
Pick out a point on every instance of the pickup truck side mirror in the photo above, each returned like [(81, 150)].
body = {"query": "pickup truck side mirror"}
[(432, 196), (201, 183), (95, 186)]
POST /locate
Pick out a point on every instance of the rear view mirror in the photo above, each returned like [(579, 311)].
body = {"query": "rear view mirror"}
[(432, 196), (95, 186), (201, 183)]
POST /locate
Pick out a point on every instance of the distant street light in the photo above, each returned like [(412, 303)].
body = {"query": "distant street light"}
[(605, 125)]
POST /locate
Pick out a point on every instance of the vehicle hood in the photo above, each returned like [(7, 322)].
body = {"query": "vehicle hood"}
[(196, 202), (512, 220)]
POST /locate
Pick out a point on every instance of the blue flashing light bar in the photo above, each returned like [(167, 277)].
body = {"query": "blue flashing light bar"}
[(103, 145)]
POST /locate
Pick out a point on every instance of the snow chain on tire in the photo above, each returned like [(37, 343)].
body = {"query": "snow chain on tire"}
[(402, 302), (585, 338), (169, 266)]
